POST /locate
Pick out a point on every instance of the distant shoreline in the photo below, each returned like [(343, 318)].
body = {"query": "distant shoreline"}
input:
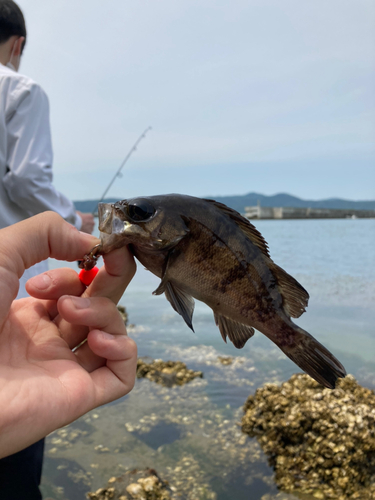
[(259, 212), (278, 201)]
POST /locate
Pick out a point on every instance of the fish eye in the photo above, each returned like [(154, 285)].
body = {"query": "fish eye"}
[(140, 210)]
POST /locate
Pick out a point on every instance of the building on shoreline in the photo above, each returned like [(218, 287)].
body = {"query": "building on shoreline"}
[(258, 212)]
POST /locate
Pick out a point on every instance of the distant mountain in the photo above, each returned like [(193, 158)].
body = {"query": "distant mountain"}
[(239, 202), (286, 200), (91, 205)]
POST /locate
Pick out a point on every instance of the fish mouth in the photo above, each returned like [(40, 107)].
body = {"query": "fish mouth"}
[(109, 221), (115, 230)]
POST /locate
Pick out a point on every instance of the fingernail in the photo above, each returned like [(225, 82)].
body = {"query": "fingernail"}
[(80, 302), (42, 281), (108, 336)]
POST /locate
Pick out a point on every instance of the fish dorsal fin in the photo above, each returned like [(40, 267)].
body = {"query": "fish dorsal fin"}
[(245, 225), (295, 297), (237, 333)]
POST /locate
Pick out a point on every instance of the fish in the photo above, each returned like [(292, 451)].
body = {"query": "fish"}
[(202, 249)]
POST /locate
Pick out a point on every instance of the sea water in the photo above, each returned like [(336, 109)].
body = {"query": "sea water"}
[(197, 424)]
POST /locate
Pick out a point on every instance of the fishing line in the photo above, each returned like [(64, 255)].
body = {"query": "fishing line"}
[(82, 274), (118, 173)]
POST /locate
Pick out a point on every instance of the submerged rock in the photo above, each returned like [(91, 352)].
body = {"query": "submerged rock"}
[(134, 485), (184, 481), (167, 373), (225, 360), (319, 441)]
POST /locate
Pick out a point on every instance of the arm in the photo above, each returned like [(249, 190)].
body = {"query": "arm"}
[(88, 222), (43, 384), (29, 178)]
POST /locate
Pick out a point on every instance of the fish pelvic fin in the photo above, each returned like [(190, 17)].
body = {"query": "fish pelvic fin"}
[(295, 297), (314, 358), (237, 333), (182, 302)]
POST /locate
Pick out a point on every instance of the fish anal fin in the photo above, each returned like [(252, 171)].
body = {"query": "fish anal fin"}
[(181, 302), (244, 225), (237, 333), (295, 297)]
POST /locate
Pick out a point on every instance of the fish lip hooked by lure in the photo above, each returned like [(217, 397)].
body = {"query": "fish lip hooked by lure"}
[(205, 250)]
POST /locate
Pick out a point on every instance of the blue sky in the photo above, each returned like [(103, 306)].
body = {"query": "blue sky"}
[(246, 95)]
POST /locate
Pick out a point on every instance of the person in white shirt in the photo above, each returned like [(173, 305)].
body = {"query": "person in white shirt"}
[(26, 189)]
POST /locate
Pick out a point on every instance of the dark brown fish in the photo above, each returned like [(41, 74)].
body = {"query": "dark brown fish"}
[(203, 249)]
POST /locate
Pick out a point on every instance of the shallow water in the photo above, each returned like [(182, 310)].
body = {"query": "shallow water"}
[(196, 424)]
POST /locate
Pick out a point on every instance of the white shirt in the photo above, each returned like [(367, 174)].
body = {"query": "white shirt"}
[(26, 153), (26, 158)]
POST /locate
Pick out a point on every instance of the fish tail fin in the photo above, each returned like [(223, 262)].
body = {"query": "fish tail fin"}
[(313, 358)]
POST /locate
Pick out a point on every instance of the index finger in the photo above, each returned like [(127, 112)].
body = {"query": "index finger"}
[(113, 278), (35, 239), (111, 282)]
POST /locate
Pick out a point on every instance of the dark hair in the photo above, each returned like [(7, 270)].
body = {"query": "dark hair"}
[(12, 21)]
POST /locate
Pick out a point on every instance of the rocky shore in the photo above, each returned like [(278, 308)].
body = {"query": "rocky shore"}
[(168, 440), (320, 442)]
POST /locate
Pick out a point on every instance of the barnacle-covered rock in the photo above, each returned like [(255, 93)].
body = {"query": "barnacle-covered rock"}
[(225, 360), (320, 441), (167, 373), (123, 313), (134, 485)]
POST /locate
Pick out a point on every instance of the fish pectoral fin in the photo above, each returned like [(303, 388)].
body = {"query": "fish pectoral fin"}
[(237, 333), (165, 279), (180, 301)]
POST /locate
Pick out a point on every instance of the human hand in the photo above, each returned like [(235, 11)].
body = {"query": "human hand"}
[(88, 222), (43, 384)]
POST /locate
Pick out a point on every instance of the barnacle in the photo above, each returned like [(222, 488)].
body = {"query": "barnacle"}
[(167, 373), (319, 441)]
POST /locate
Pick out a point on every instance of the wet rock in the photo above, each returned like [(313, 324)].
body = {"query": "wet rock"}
[(188, 482), (278, 496), (182, 482), (320, 442), (134, 485), (225, 360), (123, 313), (102, 449), (65, 438), (167, 373)]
